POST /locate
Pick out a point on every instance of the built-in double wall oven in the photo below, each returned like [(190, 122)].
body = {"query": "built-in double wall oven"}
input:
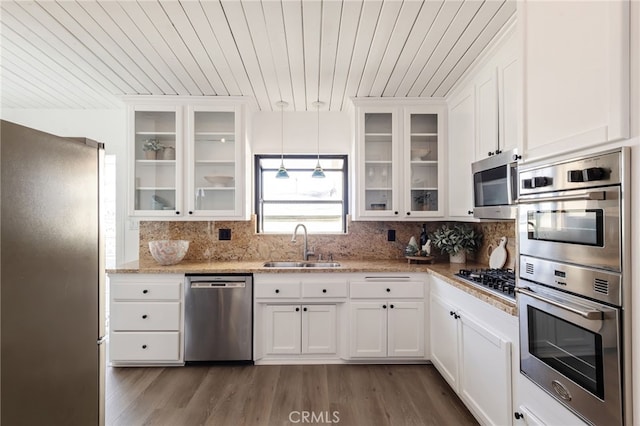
[(573, 296)]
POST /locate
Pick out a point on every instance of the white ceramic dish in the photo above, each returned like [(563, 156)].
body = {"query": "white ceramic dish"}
[(418, 154), (219, 181)]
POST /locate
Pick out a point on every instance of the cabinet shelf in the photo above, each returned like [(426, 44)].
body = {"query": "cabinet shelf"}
[(378, 162), (218, 188), (424, 134), (221, 162), (156, 133), (156, 162), (424, 188), (425, 162), (155, 188), (379, 188)]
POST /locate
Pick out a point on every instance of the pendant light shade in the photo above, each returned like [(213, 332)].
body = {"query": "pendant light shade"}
[(318, 172), (282, 172)]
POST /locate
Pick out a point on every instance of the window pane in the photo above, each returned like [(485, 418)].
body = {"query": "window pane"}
[(318, 218), (301, 186)]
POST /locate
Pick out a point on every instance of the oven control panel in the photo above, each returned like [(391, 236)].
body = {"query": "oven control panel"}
[(599, 170)]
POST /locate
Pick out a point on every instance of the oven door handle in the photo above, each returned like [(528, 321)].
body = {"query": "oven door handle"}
[(590, 314), (595, 195)]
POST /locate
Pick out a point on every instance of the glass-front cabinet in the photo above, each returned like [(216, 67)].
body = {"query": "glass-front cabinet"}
[(188, 158), (157, 152), (399, 158), (215, 179)]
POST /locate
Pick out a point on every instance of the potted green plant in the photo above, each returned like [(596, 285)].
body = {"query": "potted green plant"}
[(457, 241), (151, 148)]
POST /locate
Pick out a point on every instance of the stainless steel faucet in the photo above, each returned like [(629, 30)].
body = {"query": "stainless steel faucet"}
[(305, 253)]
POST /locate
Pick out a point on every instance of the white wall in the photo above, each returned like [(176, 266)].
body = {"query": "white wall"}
[(300, 133), (106, 126)]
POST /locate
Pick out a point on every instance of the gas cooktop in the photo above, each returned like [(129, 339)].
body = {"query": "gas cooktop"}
[(501, 282)]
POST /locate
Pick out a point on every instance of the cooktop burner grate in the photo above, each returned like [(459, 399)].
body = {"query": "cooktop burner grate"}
[(499, 281)]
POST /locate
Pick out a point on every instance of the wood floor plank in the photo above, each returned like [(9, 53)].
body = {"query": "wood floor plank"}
[(233, 395)]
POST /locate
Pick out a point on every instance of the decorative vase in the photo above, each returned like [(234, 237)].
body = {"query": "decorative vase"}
[(168, 153), (460, 257), (150, 155)]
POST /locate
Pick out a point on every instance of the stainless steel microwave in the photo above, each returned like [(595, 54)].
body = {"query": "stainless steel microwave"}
[(495, 186)]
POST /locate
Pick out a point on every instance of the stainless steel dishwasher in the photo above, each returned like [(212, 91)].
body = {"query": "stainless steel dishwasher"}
[(218, 317)]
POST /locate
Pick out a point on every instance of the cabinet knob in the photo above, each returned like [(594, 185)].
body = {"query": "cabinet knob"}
[(516, 157), (324, 290), (304, 309), (408, 213), (391, 306), (498, 151), (452, 313), (456, 316), (190, 212), (490, 153), (145, 291), (177, 212), (518, 416), (395, 212), (144, 316), (469, 211), (297, 309), (144, 346), (388, 290), (277, 291), (384, 306)]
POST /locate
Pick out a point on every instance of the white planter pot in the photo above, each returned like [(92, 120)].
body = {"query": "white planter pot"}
[(461, 257)]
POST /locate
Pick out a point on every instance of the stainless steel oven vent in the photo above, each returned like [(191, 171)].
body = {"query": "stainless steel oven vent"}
[(601, 286), (528, 267)]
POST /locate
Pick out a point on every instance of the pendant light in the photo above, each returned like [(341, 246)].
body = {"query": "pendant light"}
[(282, 172), (318, 172)]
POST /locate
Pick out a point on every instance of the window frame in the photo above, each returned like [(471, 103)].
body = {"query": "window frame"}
[(259, 184)]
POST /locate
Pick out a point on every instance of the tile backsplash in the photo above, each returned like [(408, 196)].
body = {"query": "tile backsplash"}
[(364, 240)]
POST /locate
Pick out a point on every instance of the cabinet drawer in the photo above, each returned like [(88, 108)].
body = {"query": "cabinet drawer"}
[(385, 290), (145, 346), (142, 291), (277, 290), (145, 316), (325, 289)]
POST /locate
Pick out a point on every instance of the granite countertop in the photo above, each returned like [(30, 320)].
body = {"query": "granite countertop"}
[(444, 271)]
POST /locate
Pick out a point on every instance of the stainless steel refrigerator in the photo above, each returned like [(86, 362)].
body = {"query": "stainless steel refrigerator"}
[(52, 279)]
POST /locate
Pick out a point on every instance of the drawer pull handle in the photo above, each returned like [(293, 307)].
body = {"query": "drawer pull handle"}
[(144, 346), (277, 291), (388, 290), (145, 291), (144, 316), (324, 290)]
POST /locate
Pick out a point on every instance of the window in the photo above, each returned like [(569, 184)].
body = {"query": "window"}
[(320, 204)]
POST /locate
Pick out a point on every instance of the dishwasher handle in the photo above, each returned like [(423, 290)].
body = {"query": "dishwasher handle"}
[(217, 284)]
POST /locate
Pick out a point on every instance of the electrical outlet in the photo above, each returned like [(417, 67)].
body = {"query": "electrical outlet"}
[(391, 235), (224, 234)]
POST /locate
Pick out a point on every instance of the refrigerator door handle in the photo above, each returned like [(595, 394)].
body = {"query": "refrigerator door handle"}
[(102, 339)]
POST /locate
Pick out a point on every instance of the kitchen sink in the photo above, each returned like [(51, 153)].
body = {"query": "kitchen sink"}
[(301, 265)]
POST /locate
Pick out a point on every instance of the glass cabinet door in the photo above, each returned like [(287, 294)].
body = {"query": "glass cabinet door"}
[(378, 162), (155, 167), (423, 163), (214, 179)]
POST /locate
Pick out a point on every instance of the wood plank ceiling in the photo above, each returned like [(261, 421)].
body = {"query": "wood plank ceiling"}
[(85, 54)]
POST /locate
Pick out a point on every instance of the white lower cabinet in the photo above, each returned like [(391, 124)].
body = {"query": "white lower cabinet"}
[(146, 319), (387, 318), (300, 329), (387, 328), (471, 345), (297, 317)]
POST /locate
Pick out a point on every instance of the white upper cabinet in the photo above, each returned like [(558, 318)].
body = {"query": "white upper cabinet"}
[(215, 162), (199, 170), (461, 153), (399, 158), (576, 68), (156, 148)]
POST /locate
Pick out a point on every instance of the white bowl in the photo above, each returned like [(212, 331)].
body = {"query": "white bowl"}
[(168, 252), (418, 154), (219, 181)]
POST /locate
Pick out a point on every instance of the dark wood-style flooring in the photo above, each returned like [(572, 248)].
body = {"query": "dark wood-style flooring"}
[(279, 395)]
